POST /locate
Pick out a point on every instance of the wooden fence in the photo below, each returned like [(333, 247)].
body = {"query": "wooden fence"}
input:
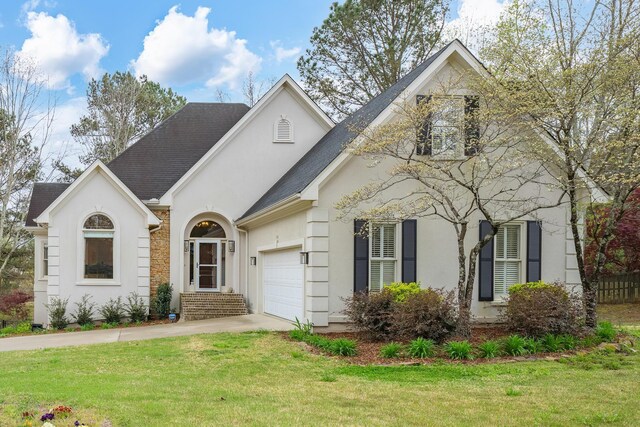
[(621, 288)]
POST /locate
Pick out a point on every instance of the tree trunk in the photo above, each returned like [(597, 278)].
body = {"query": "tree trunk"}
[(463, 325)]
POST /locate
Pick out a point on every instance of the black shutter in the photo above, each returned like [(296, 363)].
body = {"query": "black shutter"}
[(360, 257), (409, 250), (423, 146), (471, 125), (534, 251), (485, 272)]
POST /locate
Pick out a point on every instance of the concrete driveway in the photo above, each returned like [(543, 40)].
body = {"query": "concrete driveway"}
[(250, 322)]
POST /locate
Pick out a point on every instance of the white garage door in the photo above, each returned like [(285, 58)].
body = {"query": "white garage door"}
[(283, 284)]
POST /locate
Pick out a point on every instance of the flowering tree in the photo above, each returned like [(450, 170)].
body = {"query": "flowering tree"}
[(574, 73), (455, 158)]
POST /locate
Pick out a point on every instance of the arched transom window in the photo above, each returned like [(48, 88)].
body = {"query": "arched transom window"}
[(98, 231), (283, 130)]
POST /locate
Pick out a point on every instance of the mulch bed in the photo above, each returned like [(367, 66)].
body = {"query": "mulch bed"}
[(369, 351)]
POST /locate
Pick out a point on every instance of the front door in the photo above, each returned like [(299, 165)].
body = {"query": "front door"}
[(207, 266)]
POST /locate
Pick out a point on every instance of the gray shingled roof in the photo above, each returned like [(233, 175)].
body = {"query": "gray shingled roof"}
[(44, 193), (332, 144), (159, 159)]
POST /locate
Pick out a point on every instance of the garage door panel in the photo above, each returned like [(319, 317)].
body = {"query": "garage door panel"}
[(283, 284)]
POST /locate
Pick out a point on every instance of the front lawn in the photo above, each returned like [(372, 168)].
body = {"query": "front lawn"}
[(262, 379)]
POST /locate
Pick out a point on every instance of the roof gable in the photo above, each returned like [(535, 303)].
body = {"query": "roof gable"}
[(96, 167), (159, 159), (286, 82), (333, 143)]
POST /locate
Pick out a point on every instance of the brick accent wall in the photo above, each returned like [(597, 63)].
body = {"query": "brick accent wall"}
[(160, 251)]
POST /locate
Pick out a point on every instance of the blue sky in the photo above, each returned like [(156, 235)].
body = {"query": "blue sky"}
[(195, 46)]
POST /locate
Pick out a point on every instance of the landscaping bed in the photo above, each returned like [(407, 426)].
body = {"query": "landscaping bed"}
[(369, 352)]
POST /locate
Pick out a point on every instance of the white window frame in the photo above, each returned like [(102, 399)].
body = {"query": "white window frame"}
[(81, 279), (372, 259), (458, 151), (521, 259), (275, 130), (45, 260)]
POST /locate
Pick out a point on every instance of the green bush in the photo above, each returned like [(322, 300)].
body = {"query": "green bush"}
[(87, 327), (421, 348), (606, 332), (135, 308), (58, 313), (515, 345), (107, 325), (305, 328), (533, 346), (20, 328), (343, 347), (84, 311), (551, 343), (112, 311), (162, 300), (458, 350), (401, 291), (298, 335), (391, 350), (535, 309), (489, 349), (568, 342)]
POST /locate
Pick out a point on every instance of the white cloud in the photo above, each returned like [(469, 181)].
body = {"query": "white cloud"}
[(60, 51), (282, 53), (182, 49), (474, 17)]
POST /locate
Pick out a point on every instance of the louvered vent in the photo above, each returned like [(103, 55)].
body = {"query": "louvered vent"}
[(283, 130)]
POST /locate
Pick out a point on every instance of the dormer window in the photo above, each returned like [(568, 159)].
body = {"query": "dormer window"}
[(283, 130), (452, 129)]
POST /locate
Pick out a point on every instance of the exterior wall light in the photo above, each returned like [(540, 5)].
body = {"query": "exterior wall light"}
[(253, 260), (231, 244), (186, 246), (304, 258)]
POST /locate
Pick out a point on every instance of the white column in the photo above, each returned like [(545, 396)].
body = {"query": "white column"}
[(317, 272)]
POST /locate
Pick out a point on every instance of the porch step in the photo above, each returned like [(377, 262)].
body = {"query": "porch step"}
[(208, 305)]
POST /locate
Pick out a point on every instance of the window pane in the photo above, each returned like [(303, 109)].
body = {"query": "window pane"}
[(513, 241), (376, 275), (499, 286), (500, 243), (388, 272), (389, 241), (45, 260), (98, 222), (376, 251), (98, 258)]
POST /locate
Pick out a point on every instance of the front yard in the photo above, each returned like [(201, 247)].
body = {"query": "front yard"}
[(262, 379)]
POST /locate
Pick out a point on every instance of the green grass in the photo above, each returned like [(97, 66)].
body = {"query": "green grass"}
[(261, 379)]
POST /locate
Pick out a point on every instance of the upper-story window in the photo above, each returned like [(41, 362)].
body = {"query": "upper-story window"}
[(98, 231), (283, 130), (451, 128)]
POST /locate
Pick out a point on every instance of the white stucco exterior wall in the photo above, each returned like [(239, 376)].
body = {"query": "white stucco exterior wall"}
[(236, 176), (97, 194)]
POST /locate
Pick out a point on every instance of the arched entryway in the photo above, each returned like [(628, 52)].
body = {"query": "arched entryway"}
[(206, 247)]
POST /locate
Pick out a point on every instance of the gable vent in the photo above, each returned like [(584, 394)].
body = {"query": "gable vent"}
[(283, 130)]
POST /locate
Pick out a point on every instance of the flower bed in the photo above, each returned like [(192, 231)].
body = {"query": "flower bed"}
[(60, 415), (487, 344)]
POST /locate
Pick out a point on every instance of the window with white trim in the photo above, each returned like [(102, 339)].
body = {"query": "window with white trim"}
[(508, 258), (283, 130), (45, 260), (98, 231), (382, 259), (447, 126)]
